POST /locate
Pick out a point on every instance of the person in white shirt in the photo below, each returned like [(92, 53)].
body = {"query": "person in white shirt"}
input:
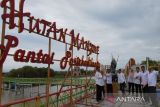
[(152, 82), (121, 80), (137, 81), (131, 81), (109, 83), (103, 84), (144, 83), (99, 83)]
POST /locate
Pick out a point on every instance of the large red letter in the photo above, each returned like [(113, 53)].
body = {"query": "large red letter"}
[(12, 42), (12, 14)]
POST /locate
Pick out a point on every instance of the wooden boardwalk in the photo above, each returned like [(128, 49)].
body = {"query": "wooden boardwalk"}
[(112, 102)]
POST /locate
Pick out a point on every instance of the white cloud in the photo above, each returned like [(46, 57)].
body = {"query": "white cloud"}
[(124, 28)]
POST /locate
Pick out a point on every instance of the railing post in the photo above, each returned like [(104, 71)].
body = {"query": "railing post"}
[(1, 52), (48, 76)]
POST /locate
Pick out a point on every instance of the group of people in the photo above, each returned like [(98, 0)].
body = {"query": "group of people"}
[(141, 82), (144, 83), (103, 78)]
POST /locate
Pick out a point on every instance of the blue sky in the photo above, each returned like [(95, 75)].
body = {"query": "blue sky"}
[(124, 28)]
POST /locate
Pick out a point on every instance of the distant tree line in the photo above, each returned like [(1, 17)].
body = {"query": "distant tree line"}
[(152, 63), (36, 72), (29, 72)]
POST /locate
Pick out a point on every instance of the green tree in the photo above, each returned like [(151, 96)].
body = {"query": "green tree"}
[(30, 72), (152, 63)]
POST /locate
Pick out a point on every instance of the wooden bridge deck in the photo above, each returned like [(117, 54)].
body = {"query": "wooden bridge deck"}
[(112, 102)]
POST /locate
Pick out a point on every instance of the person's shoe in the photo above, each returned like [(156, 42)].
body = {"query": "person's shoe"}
[(152, 105), (143, 102), (132, 94), (147, 102), (97, 102)]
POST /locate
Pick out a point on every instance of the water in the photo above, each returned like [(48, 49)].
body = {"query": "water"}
[(27, 92)]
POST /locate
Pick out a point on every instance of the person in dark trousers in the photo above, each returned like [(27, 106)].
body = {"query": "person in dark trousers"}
[(121, 81), (99, 83), (137, 76), (109, 83), (131, 81), (103, 84), (144, 83), (152, 82)]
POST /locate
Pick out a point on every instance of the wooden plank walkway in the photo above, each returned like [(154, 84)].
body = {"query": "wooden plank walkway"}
[(113, 102)]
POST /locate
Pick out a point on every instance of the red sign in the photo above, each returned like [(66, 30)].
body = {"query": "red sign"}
[(47, 29)]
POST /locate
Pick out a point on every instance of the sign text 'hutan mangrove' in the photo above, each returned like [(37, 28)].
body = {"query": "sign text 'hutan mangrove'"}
[(43, 28)]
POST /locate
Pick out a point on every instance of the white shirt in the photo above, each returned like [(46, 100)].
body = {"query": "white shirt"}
[(152, 78), (99, 79), (144, 77), (109, 78), (137, 76), (103, 80), (131, 77), (121, 78)]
